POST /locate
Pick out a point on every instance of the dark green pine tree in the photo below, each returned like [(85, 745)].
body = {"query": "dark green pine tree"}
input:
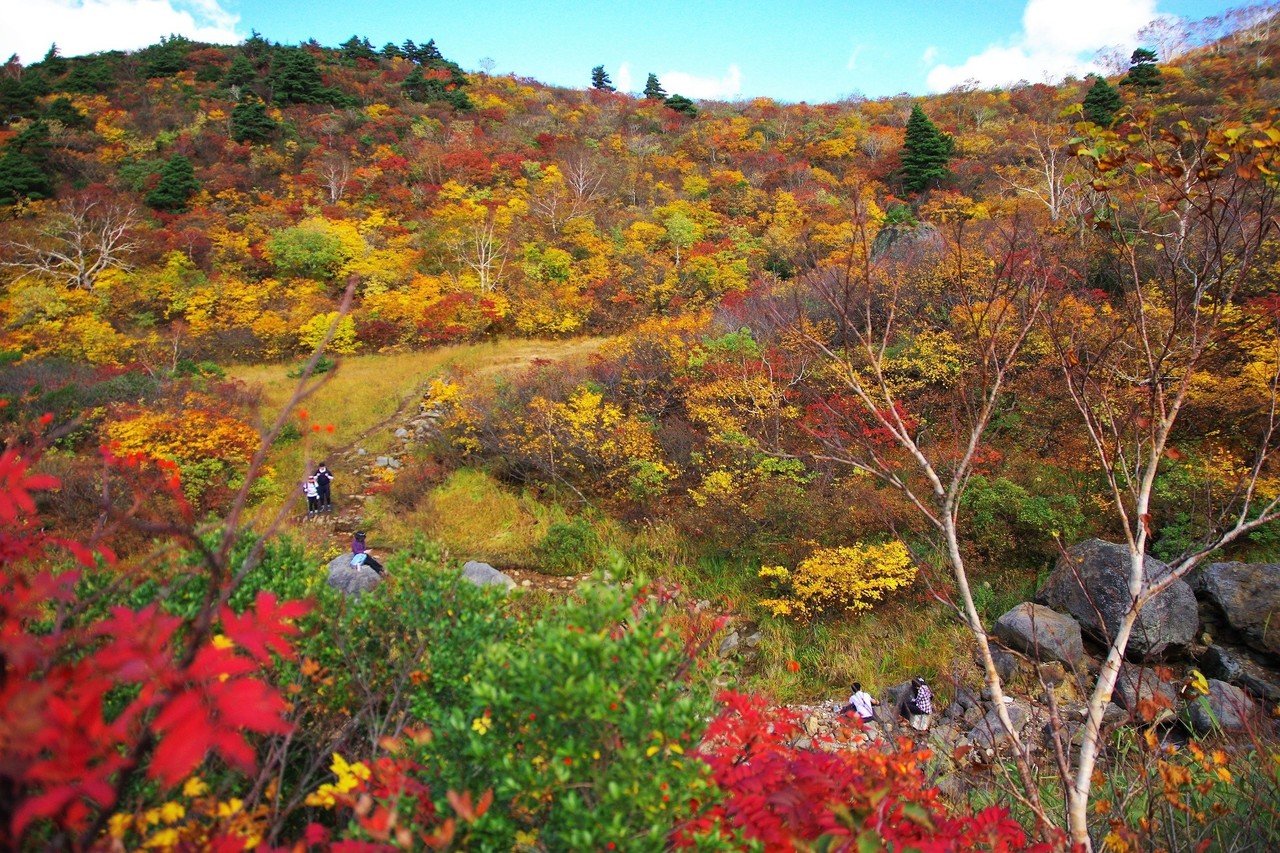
[(241, 72), (62, 110), (1143, 73), (177, 184), (391, 50), (296, 78), (250, 122), (600, 80), (653, 89), (925, 153), (681, 104), (1102, 102), (22, 166), (53, 63), (89, 76), (357, 48), (423, 89)]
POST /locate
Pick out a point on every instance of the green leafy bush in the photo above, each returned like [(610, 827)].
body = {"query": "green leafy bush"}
[(569, 548)]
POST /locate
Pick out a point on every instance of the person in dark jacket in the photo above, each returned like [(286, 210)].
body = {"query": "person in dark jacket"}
[(324, 477), (359, 548)]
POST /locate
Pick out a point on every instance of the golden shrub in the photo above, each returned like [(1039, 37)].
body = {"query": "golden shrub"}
[(849, 578)]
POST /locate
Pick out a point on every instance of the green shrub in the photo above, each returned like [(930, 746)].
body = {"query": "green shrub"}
[(584, 726), (569, 548)]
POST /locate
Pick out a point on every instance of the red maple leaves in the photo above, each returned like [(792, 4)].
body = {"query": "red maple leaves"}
[(84, 701)]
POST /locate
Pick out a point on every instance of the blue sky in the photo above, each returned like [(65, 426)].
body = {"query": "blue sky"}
[(802, 50)]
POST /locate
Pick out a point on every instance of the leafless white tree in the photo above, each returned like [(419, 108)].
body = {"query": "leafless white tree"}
[(78, 243)]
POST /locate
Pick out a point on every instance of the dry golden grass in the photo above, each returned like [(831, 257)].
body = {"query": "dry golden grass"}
[(363, 392), (473, 516)]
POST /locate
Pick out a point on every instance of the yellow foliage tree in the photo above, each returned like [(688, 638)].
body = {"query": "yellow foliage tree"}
[(850, 578)]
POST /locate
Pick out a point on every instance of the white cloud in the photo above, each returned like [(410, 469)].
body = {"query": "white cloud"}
[(89, 26), (853, 57), (622, 80), (1057, 39), (692, 86), (929, 56)]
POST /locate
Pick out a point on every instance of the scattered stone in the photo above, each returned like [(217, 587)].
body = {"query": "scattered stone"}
[(1007, 663), (402, 433), (394, 464), (753, 640), (730, 644), (991, 733), (526, 582), (483, 574), (1052, 673), (1226, 707), (1041, 632), (966, 698), (360, 451), (1249, 596), (1092, 579), (349, 579), (382, 461), (1241, 670), (1139, 685)]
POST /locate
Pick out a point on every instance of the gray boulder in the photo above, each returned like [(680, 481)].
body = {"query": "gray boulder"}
[(1239, 669), (991, 733), (483, 574), (1249, 596), (349, 579), (1091, 583), (1043, 633), (1226, 706), (1136, 685)]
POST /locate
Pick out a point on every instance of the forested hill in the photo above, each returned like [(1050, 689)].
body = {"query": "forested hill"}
[(231, 193)]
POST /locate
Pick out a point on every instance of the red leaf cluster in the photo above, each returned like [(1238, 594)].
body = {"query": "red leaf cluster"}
[(786, 798)]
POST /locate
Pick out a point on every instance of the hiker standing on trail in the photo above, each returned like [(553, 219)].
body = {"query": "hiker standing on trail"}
[(312, 490), (861, 703), (920, 704), (359, 549), (323, 479)]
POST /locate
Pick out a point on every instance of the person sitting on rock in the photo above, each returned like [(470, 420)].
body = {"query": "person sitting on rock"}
[(861, 703), (920, 704), (361, 551)]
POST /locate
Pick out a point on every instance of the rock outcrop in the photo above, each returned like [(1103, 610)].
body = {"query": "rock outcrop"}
[(349, 579), (1248, 594), (483, 574), (1091, 583), (1042, 633), (1226, 707)]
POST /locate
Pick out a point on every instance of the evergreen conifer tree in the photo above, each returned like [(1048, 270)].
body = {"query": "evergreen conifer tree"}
[(22, 166), (296, 78), (925, 153), (1143, 73), (250, 122), (653, 89), (600, 80), (1101, 103), (241, 72), (681, 104), (177, 184)]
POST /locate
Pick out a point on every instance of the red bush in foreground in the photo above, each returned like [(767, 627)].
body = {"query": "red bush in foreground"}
[(866, 799)]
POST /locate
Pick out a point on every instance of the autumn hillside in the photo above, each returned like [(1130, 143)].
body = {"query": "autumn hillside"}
[(761, 395)]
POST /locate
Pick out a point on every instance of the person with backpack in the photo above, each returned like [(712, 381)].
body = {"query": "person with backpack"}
[(919, 704), (861, 703), (312, 491), (323, 480), (360, 553)]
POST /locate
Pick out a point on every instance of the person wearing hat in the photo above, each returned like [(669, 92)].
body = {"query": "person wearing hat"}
[(360, 553)]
